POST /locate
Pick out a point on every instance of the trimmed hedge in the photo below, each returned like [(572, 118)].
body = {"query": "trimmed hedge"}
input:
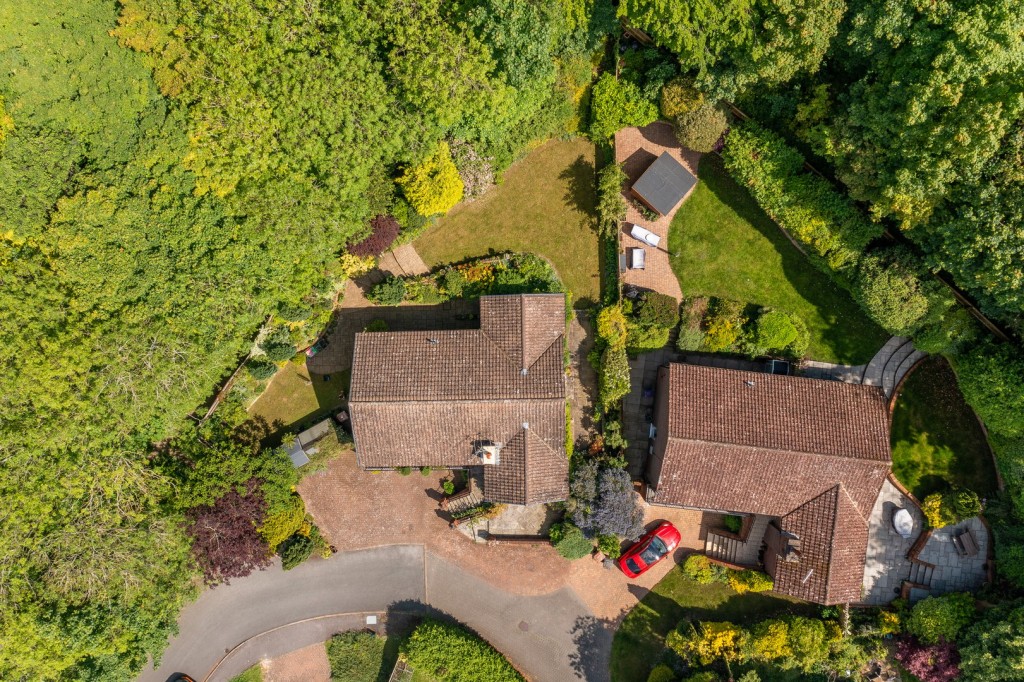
[(451, 654), (356, 656)]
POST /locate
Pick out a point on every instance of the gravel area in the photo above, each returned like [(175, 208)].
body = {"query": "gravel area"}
[(308, 664)]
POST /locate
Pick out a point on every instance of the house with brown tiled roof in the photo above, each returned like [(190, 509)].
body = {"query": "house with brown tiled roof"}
[(492, 398), (802, 461)]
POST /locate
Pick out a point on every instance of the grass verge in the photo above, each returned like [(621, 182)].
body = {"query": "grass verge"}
[(544, 205), (722, 244), (936, 439)]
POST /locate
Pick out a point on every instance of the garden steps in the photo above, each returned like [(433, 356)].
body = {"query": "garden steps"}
[(734, 551), (875, 369), (721, 548), (472, 496), (921, 574), (892, 364), (904, 368)]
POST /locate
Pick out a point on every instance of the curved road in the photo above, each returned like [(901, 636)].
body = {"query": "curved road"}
[(550, 638)]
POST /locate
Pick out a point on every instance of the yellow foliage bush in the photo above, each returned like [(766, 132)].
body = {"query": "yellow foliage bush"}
[(434, 186), (750, 581), (350, 266), (768, 641), (721, 334), (707, 642), (889, 623), (280, 526), (611, 326)]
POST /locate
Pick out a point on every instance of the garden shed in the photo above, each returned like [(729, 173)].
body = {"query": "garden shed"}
[(664, 184)]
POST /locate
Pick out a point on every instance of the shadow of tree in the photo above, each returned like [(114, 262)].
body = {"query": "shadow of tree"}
[(592, 637), (581, 188)]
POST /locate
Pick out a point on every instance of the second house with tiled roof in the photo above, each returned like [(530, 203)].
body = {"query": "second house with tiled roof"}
[(801, 461), (492, 398)]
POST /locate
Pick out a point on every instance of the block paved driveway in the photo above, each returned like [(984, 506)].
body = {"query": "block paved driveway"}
[(554, 619)]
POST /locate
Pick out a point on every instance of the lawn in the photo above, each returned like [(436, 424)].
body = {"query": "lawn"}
[(723, 244), (544, 205), (936, 440), (294, 399), (639, 642)]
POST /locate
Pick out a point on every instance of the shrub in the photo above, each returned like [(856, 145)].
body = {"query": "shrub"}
[(413, 224), (642, 338), (611, 206), (945, 509), (705, 643), (891, 294), (991, 376), (992, 650), (691, 334), (376, 326), (750, 581), (295, 550), (614, 378), (768, 641), (697, 567), (889, 623), (383, 231), (933, 663), (452, 282), (294, 312), (701, 128), (690, 339), (616, 104), (448, 487), (773, 331), (355, 656), (935, 618), (477, 172), (680, 96), (661, 673), (724, 322), (807, 642), (611, 326), (660, 310), (434, 186), (261, 368), (449, 653), (613, 438), (422, 290), (278, 345), (703, 676), (733, 523), (569, 541), (583, 483), (425, 471), (404, 471), (286, 521), (608, 508), (610, 546), (389, 292)]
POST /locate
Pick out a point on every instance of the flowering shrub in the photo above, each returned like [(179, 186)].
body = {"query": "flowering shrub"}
[(889, 623), (929, 663), (750, 581), (705, 642), (768, 641), (945, 509)]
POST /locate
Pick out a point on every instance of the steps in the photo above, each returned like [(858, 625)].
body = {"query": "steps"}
[(903, 369), (921, 574), (874, 370), (890, 364), (721, 548), (462, 502)]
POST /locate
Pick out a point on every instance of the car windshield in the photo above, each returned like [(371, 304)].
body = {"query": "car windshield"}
[(654, 551), (632, 565)]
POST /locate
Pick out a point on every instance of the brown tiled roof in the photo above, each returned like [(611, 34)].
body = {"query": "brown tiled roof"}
[(814, 453), (433, 398), (778, 412), (833, 539)]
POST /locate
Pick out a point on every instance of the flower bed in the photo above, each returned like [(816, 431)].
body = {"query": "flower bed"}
[(507, 273)]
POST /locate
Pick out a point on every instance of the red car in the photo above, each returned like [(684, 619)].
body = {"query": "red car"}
[(657, 544)]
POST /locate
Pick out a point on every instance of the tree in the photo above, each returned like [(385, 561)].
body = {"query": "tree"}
[(618, 104), (701, 128), (933, 663), (992, 650), (891, 294), (936, 88), (934, 619), (680, 96), (768, 641), (610, 507), (383, 231), (225, 542), (433, 186)]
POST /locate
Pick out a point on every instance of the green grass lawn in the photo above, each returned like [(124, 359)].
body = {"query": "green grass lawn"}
[(253, 674), (723, 244), (640, 641), (544, 205), (936, 440), (294, 398)]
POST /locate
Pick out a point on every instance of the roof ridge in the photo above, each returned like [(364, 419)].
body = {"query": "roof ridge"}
[(838, 487), (771, 449), (458, 401)]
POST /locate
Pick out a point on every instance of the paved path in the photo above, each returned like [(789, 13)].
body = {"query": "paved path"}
[(549, 637)]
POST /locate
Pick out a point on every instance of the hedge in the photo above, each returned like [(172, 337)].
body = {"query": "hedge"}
[(355, 656), (451, 654)]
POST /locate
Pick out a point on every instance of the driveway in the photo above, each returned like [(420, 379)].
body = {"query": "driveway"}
[(549, 637)]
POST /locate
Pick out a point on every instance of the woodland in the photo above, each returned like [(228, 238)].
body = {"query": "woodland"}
[(174, 173)]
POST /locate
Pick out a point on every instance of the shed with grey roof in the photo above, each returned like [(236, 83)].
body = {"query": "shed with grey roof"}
[(664, 184)]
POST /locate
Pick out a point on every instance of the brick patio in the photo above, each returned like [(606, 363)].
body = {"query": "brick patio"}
[(636, 149)]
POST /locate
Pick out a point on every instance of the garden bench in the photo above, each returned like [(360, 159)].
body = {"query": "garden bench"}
[(965, 543)]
